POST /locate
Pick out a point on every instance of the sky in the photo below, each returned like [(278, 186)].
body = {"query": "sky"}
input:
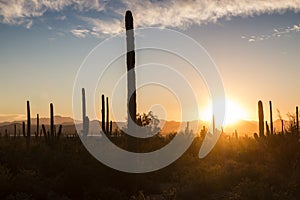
[(255, 45)]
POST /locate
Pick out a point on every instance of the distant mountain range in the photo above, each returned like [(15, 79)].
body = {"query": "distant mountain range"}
[(243, 127)]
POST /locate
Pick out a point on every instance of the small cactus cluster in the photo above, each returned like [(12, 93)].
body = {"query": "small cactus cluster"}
[(52, 133), (26, 133), (262, 123), (270, 129), (106, 124)]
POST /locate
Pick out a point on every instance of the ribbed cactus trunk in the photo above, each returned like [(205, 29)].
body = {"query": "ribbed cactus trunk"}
[(51, 120), (28, 123), (103, 113), (261, 119), (107, 116), (297, 120), (131, 83), (271, 119)]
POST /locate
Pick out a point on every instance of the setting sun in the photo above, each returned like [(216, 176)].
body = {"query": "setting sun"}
[(234, 112)]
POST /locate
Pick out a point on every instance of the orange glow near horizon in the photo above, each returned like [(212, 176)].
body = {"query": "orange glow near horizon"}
[(234, 112)]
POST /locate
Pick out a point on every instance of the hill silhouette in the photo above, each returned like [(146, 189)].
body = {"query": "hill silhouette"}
[(243, 127)]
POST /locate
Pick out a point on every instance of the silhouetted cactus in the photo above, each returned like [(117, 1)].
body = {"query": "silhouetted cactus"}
[(37, 126), (23, 129), (44, 131), (103, 113), (86, 126), (110, 128), (52, 134), (59, 131), (107, 116), (236, 134), (297, 120), (261, 119), (271, 118), (85, 119), (28, 123), (131, 87), (51, 120), (267, 129)]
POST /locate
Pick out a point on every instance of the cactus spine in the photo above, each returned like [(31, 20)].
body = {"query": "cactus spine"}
[(271, 118), (261, 119), (131, 87)]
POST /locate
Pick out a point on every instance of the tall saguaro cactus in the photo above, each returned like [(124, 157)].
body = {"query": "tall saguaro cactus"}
[(28, 122), (85, 119), (261, 119), (103, 113), (131, 87), (83, 106), (271, 118), (107, 116)]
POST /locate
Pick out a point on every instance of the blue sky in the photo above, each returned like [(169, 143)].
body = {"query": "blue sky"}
[(255, 45)]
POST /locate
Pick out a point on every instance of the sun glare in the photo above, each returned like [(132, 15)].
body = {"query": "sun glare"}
[(234, 112)]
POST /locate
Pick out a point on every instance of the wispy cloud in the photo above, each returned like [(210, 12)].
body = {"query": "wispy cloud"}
[(113, 26), (277, 32), (164, 13), (15, 11), (183, 13), (80, 33)]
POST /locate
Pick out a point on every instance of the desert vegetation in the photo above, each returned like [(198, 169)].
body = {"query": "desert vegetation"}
[(52, 165)]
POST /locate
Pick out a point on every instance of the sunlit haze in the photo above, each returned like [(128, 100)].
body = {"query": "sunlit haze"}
[(254, 44)]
